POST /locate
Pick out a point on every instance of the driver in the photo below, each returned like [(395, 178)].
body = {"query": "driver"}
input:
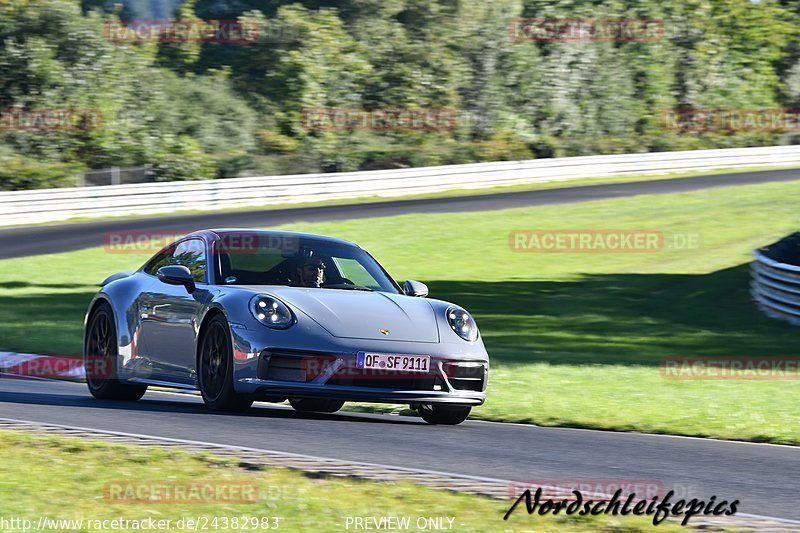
[(310, 271)]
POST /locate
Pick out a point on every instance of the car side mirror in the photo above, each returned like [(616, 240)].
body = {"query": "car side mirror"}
[(177, 275), (415, 288)]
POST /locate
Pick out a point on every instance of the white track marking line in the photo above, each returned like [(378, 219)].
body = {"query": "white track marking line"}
[(312, 457), (257, 450)]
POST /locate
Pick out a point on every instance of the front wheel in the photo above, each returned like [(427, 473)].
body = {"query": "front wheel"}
[(100, 359), (448, 415), (215, 368), (308, 405)]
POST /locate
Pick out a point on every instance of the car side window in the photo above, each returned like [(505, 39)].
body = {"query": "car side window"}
[(190, 253), (355, 272), (161, 260)]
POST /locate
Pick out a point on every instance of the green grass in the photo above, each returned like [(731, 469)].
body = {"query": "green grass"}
[(65, 478), (575, 339)]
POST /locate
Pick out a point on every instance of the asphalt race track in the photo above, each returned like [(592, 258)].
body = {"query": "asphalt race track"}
[(24, 241), (762, 476)]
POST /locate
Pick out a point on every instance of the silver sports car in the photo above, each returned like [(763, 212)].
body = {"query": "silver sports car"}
[(246, 315)]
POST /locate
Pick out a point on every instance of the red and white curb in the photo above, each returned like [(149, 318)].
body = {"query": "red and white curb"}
[(30, 365)]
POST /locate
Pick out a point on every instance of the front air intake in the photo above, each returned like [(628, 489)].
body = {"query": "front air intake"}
[(466, 376)]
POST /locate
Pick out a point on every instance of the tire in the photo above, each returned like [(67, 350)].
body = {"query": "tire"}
[(215, 368), (446, 415), (100, 359), (309, 405)]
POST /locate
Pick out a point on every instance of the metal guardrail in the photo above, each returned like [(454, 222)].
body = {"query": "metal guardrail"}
[(50, 205), (775, 282)]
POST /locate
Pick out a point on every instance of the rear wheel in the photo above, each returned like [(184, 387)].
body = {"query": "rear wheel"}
[(215, 368), (449, 415), (100, 359), (309, 405)]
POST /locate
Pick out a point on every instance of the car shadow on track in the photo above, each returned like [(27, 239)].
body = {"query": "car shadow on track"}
[(151, 403)]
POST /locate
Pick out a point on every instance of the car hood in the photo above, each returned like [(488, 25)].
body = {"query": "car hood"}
[(362, 315)]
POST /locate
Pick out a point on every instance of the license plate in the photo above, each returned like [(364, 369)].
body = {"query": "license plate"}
[(396, 363)]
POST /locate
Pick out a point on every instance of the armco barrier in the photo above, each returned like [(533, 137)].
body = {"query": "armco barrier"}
[(49, 205), (776, 279)]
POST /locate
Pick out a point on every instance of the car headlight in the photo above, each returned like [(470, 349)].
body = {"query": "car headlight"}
[(462, 323), (271, 312)]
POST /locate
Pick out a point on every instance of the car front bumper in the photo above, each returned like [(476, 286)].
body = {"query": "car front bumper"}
[(324, 368), (271, 388)]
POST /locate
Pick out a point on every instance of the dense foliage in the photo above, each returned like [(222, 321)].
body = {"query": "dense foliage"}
[(203, 110)]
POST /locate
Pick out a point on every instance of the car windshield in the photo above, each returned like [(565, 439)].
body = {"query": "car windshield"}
[(255, 258)]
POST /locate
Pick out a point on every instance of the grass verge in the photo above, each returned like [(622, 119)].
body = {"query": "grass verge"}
[(575, 338), (64, 478)]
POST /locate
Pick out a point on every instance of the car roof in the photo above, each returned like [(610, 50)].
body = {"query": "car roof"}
[(221, 232)]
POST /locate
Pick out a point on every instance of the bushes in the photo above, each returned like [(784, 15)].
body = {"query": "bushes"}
[(19, 173), (184, 160), (205, 110)]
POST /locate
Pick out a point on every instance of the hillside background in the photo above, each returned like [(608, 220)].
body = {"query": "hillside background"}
[(211, 110)]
